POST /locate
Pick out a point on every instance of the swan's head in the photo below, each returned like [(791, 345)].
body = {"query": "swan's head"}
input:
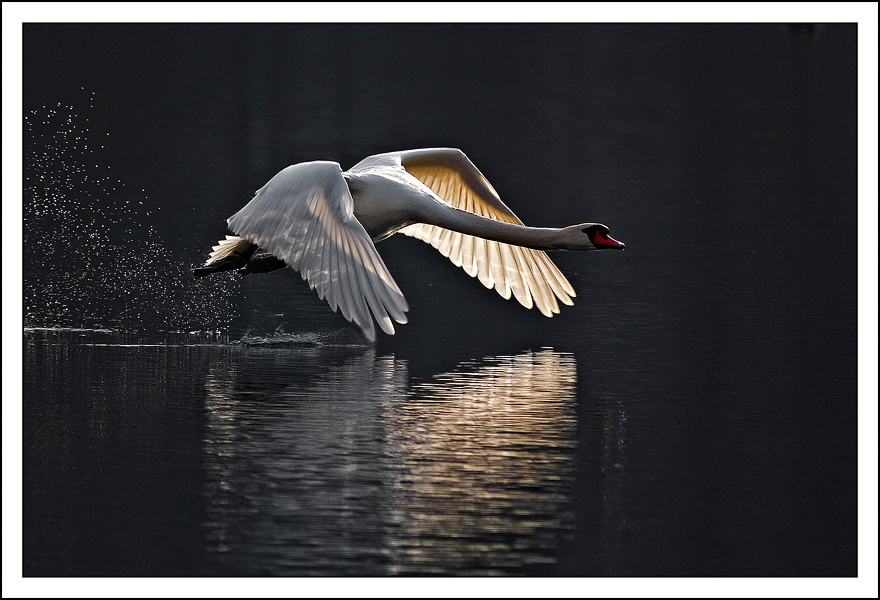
[(591, 236)]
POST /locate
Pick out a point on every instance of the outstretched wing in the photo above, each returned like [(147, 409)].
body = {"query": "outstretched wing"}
[(305, 216), (529, 274)]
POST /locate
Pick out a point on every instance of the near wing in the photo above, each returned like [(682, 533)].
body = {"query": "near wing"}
[(304, 216), (529, 274)]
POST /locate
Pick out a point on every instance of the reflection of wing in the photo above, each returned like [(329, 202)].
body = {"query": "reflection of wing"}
[(295, 463), (484, 453), (304, 216), (529, 274)]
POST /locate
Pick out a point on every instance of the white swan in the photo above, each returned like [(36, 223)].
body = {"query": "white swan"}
[(322, 222)]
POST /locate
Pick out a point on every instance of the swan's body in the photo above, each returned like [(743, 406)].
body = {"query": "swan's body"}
[(323, 222)]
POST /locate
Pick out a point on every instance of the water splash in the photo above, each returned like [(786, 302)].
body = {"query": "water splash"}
[(93, 251), (282, 339)]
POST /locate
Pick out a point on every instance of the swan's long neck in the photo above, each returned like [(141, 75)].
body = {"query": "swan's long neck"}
[(462, 221)]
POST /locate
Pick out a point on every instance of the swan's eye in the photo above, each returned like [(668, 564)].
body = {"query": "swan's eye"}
[(596, 230)]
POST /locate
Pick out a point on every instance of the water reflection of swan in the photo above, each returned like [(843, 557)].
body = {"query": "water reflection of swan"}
[(350, 471), (323, 222), (485, 466), (294, 461)]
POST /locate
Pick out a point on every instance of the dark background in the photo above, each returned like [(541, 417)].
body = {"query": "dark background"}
[(723, 155)]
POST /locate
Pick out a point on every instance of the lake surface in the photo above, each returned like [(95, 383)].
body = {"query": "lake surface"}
[(693, 414)]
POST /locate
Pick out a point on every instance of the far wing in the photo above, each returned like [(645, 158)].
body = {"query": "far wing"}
[(304, 216), (528, 274)]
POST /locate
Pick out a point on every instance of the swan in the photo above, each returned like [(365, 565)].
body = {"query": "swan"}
[(323, 222)]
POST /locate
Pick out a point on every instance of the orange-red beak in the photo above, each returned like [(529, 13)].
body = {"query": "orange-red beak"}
[(603, 242)]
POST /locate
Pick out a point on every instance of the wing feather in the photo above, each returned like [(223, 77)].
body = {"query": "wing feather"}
[(496, 265), (529, 275), (512, 273), (304, 216)]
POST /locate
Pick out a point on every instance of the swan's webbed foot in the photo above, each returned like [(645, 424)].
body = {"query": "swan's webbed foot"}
[(262, 262)]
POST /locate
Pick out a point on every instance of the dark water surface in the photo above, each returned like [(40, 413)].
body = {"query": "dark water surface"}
[(694, 413)]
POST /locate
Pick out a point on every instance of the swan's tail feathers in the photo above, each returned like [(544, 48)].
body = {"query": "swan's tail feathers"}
[(232, 253)]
